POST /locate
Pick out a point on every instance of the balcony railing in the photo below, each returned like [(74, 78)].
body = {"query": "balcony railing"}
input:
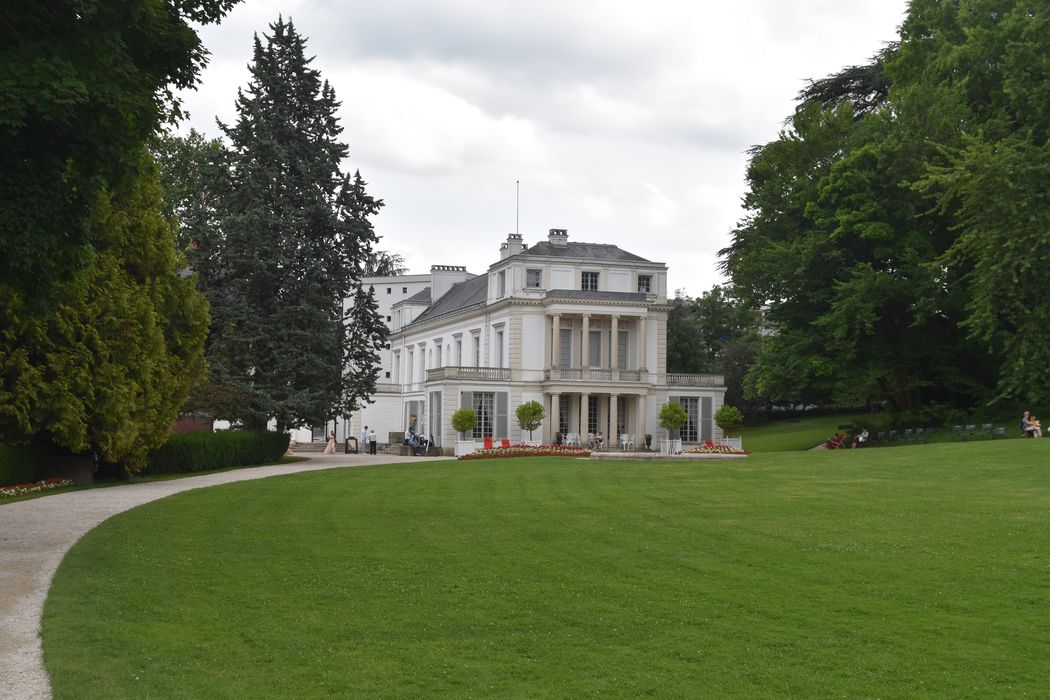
[(388, 388), (591, 374), (694, 380), (463, 373)]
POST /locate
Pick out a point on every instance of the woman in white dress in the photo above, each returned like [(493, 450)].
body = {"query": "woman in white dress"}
[(330, 447)]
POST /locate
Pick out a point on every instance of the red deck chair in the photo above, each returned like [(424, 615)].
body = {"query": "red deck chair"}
[(709, 443), (835, 442), (488, 442), (504, 443)]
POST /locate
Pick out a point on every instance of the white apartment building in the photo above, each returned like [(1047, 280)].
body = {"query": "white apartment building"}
[(579, 327)]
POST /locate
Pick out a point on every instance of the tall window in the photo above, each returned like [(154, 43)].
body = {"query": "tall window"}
[(501, 284), (645, 283), (621, 350), (565, 348), (410, 371), (477, 349), (592, 414), (459, 352), (533, 279), (589, 281), (563, 416), (595, 349), (491, 410), (484, 407), (690, 431), (498, 351)]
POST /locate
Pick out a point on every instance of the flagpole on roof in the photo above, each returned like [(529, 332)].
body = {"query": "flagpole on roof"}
[(517, 201)]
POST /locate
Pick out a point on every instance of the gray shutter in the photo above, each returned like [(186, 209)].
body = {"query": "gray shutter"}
[(706, 418), (501, 414), (466, 399)]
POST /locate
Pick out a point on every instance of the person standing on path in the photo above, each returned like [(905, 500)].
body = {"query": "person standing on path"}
[(372, 441), (362, 447), (330, 447)]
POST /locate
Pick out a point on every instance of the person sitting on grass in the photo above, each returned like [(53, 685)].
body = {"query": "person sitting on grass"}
[(1036, 427), (1026, 426), (861, 439)]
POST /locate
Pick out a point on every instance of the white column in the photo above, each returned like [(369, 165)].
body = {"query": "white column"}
[(552, 422), (639, 432), (555, 353), (585, 346), (614, 344), (584, 403), (644, 342), (614, 439)]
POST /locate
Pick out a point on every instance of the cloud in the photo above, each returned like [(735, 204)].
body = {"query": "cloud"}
[(626, 123)]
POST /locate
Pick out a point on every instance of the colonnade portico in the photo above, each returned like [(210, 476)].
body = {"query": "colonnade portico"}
[(611, 408), (607, 360)]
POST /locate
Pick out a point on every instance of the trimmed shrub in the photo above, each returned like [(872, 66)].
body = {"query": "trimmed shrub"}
[(21, 464), (194, 452)]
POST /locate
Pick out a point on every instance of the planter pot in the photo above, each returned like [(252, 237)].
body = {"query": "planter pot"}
[(736, 442), (464, 447), (532, 443)]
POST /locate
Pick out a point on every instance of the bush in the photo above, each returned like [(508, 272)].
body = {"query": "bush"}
[(464, 419), (21, 464), (194, 452), (729, 419)]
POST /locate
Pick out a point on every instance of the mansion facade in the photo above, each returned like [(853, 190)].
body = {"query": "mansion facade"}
[(580, 328)]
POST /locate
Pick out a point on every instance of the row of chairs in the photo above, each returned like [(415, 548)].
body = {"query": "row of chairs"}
[(908, 436), (984, 431)]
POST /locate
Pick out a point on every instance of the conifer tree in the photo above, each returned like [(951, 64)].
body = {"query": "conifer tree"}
[(294, 232)]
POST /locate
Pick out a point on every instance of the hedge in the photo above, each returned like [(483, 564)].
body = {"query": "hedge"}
[(194, 452), (21, 465)]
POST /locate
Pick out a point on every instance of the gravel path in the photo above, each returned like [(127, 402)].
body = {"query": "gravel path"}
[(36, 534)]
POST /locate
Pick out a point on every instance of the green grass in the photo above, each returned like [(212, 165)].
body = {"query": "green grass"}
[(918, 571), (792, 435)]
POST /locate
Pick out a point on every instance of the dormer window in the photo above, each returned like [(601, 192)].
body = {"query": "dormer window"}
[(645, 283), (589, 281)]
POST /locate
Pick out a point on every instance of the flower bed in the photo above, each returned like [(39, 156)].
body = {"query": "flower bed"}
[(716, 450), (35, 487), (528, 451)]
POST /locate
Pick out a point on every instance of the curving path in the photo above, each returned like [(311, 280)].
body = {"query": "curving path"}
[(36, 534)]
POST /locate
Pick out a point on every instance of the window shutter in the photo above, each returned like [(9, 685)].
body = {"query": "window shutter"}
[(706, 418), (466, 399), (501, 414)]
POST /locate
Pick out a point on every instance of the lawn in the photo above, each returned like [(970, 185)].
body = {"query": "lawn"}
[(792, 435), (895, 572)]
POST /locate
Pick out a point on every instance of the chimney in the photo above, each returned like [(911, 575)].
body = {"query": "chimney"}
[(513, 246), (558, 236), (443, 277)]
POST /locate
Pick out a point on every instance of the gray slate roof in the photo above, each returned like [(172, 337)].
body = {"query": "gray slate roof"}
[(464, 294), (585, 251), (420, 297)]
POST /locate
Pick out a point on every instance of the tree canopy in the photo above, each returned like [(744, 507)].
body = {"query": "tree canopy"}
[(897, 229), (85, 84), (287, 250), (109, 367)]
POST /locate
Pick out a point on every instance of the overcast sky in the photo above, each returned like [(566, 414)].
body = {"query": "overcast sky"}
[(625, 122)]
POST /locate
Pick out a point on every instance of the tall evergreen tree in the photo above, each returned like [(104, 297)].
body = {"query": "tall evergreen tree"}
[(109, 367), (294, 234)]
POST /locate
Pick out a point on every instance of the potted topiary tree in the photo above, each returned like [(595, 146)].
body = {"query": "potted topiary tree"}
[(672, 417), (530, 417), (730, 419), (463, 420)]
